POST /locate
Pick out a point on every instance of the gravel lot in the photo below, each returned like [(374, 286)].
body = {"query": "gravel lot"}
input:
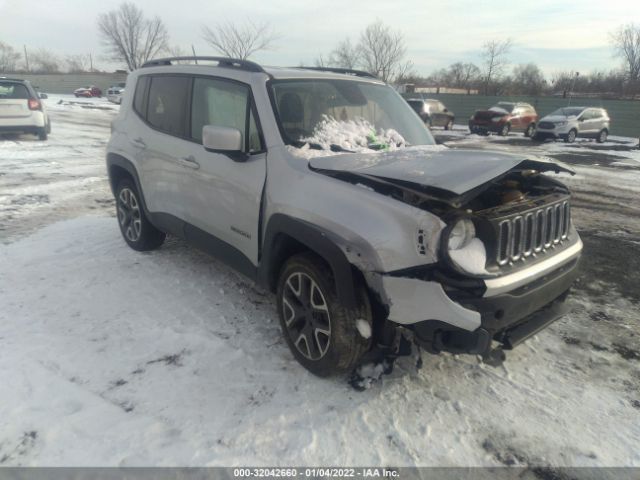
[(111, 357)]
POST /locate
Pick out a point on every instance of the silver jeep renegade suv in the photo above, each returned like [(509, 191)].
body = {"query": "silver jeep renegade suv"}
[(326, 188)]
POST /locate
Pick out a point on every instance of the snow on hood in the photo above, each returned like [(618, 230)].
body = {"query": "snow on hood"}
[(456, 171), (357, 135), (498, 110)]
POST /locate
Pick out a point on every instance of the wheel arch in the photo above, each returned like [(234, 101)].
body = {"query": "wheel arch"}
[(119, 167), (286, 236)]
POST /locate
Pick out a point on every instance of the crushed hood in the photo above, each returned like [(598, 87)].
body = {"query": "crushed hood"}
[(455, 171)]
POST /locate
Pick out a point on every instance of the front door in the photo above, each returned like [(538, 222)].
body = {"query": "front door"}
[(224, 195)]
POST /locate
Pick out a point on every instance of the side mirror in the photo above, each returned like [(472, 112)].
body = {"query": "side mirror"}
[(44, 96), (445, 110), (225, 140)]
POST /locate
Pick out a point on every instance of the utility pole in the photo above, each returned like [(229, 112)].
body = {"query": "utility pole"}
[(90, 62), (573, 84), (26, 58)]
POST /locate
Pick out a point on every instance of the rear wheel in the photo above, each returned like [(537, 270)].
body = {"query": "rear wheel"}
[(602, 136), (530, 131), (325, 337), (571, 136), (135, 227), (42, 134)]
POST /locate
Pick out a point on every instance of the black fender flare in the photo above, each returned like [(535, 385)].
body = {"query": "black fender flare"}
[(115, 160), (315, 238)]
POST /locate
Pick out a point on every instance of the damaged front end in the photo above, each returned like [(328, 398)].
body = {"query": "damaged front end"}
[(506, 259)]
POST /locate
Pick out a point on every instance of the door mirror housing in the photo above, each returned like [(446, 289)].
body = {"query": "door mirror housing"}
[(44, 96), (225, 140)]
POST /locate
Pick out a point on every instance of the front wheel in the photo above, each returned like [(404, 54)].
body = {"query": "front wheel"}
[(135, 227), (325, 337), (449, 125), (504, 130), (571, 136)]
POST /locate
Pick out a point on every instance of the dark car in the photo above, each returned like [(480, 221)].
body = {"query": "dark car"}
[(503, 118), (432, 112)]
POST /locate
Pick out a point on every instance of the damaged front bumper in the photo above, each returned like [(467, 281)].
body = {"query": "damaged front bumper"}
[(450, 316)]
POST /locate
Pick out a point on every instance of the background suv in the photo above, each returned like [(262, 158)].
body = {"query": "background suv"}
[(114, 93), (432, 112), (569, 123), (325, 188), (21, 110), (504, 117)]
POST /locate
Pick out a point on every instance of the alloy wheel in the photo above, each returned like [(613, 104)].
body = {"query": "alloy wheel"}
[(306, 316), (129, 215)]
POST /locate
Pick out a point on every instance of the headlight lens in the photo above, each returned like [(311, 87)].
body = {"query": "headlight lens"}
[(560, 124), (461, 234)]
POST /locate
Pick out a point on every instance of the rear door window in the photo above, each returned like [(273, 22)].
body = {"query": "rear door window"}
[(13, 91), (167, 103)]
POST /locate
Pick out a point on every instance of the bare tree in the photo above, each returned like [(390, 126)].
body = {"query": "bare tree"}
[(527, 79), (346, 55), (78, 63), (383, 52), (44, 61), (130, 37), (240, 41), (9, 58), (626, 44), (494, 56)]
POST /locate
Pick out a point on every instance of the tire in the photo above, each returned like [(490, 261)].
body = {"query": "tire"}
[(428, 123), (307, 301), (530, 131), (42, 134), (504, 131), (449, 125), (48, 127), (602, 136), (571, 136), (135, 227)]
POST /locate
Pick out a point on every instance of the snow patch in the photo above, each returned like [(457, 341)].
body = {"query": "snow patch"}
[(363, 328), (472, 257)]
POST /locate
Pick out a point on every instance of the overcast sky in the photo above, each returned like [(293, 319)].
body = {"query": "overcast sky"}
[(557, 35)]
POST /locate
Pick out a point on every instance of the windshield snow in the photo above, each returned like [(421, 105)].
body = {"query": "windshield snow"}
[(567, 112), (345, 115)]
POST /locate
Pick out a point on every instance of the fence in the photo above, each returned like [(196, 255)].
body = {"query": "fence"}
[(625, 114), (68, 82)]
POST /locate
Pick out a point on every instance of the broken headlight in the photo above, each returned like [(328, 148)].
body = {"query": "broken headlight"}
[(466, 252), (461, 234)]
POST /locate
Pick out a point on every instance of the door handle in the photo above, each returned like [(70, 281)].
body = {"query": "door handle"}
[(138, 142), (189, 162)]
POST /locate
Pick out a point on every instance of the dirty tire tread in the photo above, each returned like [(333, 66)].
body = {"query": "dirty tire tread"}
[(150, 238), (347, 345)]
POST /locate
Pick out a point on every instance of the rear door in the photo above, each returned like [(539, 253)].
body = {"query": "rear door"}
[(161, 101), (224, 195), (14, 103)]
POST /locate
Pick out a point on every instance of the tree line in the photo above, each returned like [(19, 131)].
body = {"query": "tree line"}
[(131, 38)]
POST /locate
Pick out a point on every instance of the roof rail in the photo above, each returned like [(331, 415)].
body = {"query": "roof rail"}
[(222, 62), (346, 71)]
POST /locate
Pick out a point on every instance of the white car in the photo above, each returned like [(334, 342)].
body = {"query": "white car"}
[(568, 123), (115, 92), (21, 110)]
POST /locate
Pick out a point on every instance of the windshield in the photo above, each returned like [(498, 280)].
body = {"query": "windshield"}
[(506, 107), (345, 115), (568, 111)]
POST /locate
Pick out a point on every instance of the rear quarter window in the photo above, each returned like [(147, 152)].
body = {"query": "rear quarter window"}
[(139, 99)]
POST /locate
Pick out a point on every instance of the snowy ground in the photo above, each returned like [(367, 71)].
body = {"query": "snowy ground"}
[(112, 357)]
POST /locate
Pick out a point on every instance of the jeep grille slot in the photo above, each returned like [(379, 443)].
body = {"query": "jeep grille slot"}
[(532, 233)]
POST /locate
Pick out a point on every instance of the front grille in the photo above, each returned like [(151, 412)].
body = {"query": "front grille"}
[(533, 232), (546, 125)]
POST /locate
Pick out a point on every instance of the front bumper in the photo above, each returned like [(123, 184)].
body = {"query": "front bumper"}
[(508, 311), (484, 127)]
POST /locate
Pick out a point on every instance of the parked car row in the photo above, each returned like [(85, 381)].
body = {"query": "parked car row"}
[(567, 123)]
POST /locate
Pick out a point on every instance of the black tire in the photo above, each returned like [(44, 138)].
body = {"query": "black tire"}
[(449, 125), (135, 227), (571, 136), (48, 127), (530, 131), (344, 345), (504, 130), (428, 122), (42, 134), (602, 136)]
